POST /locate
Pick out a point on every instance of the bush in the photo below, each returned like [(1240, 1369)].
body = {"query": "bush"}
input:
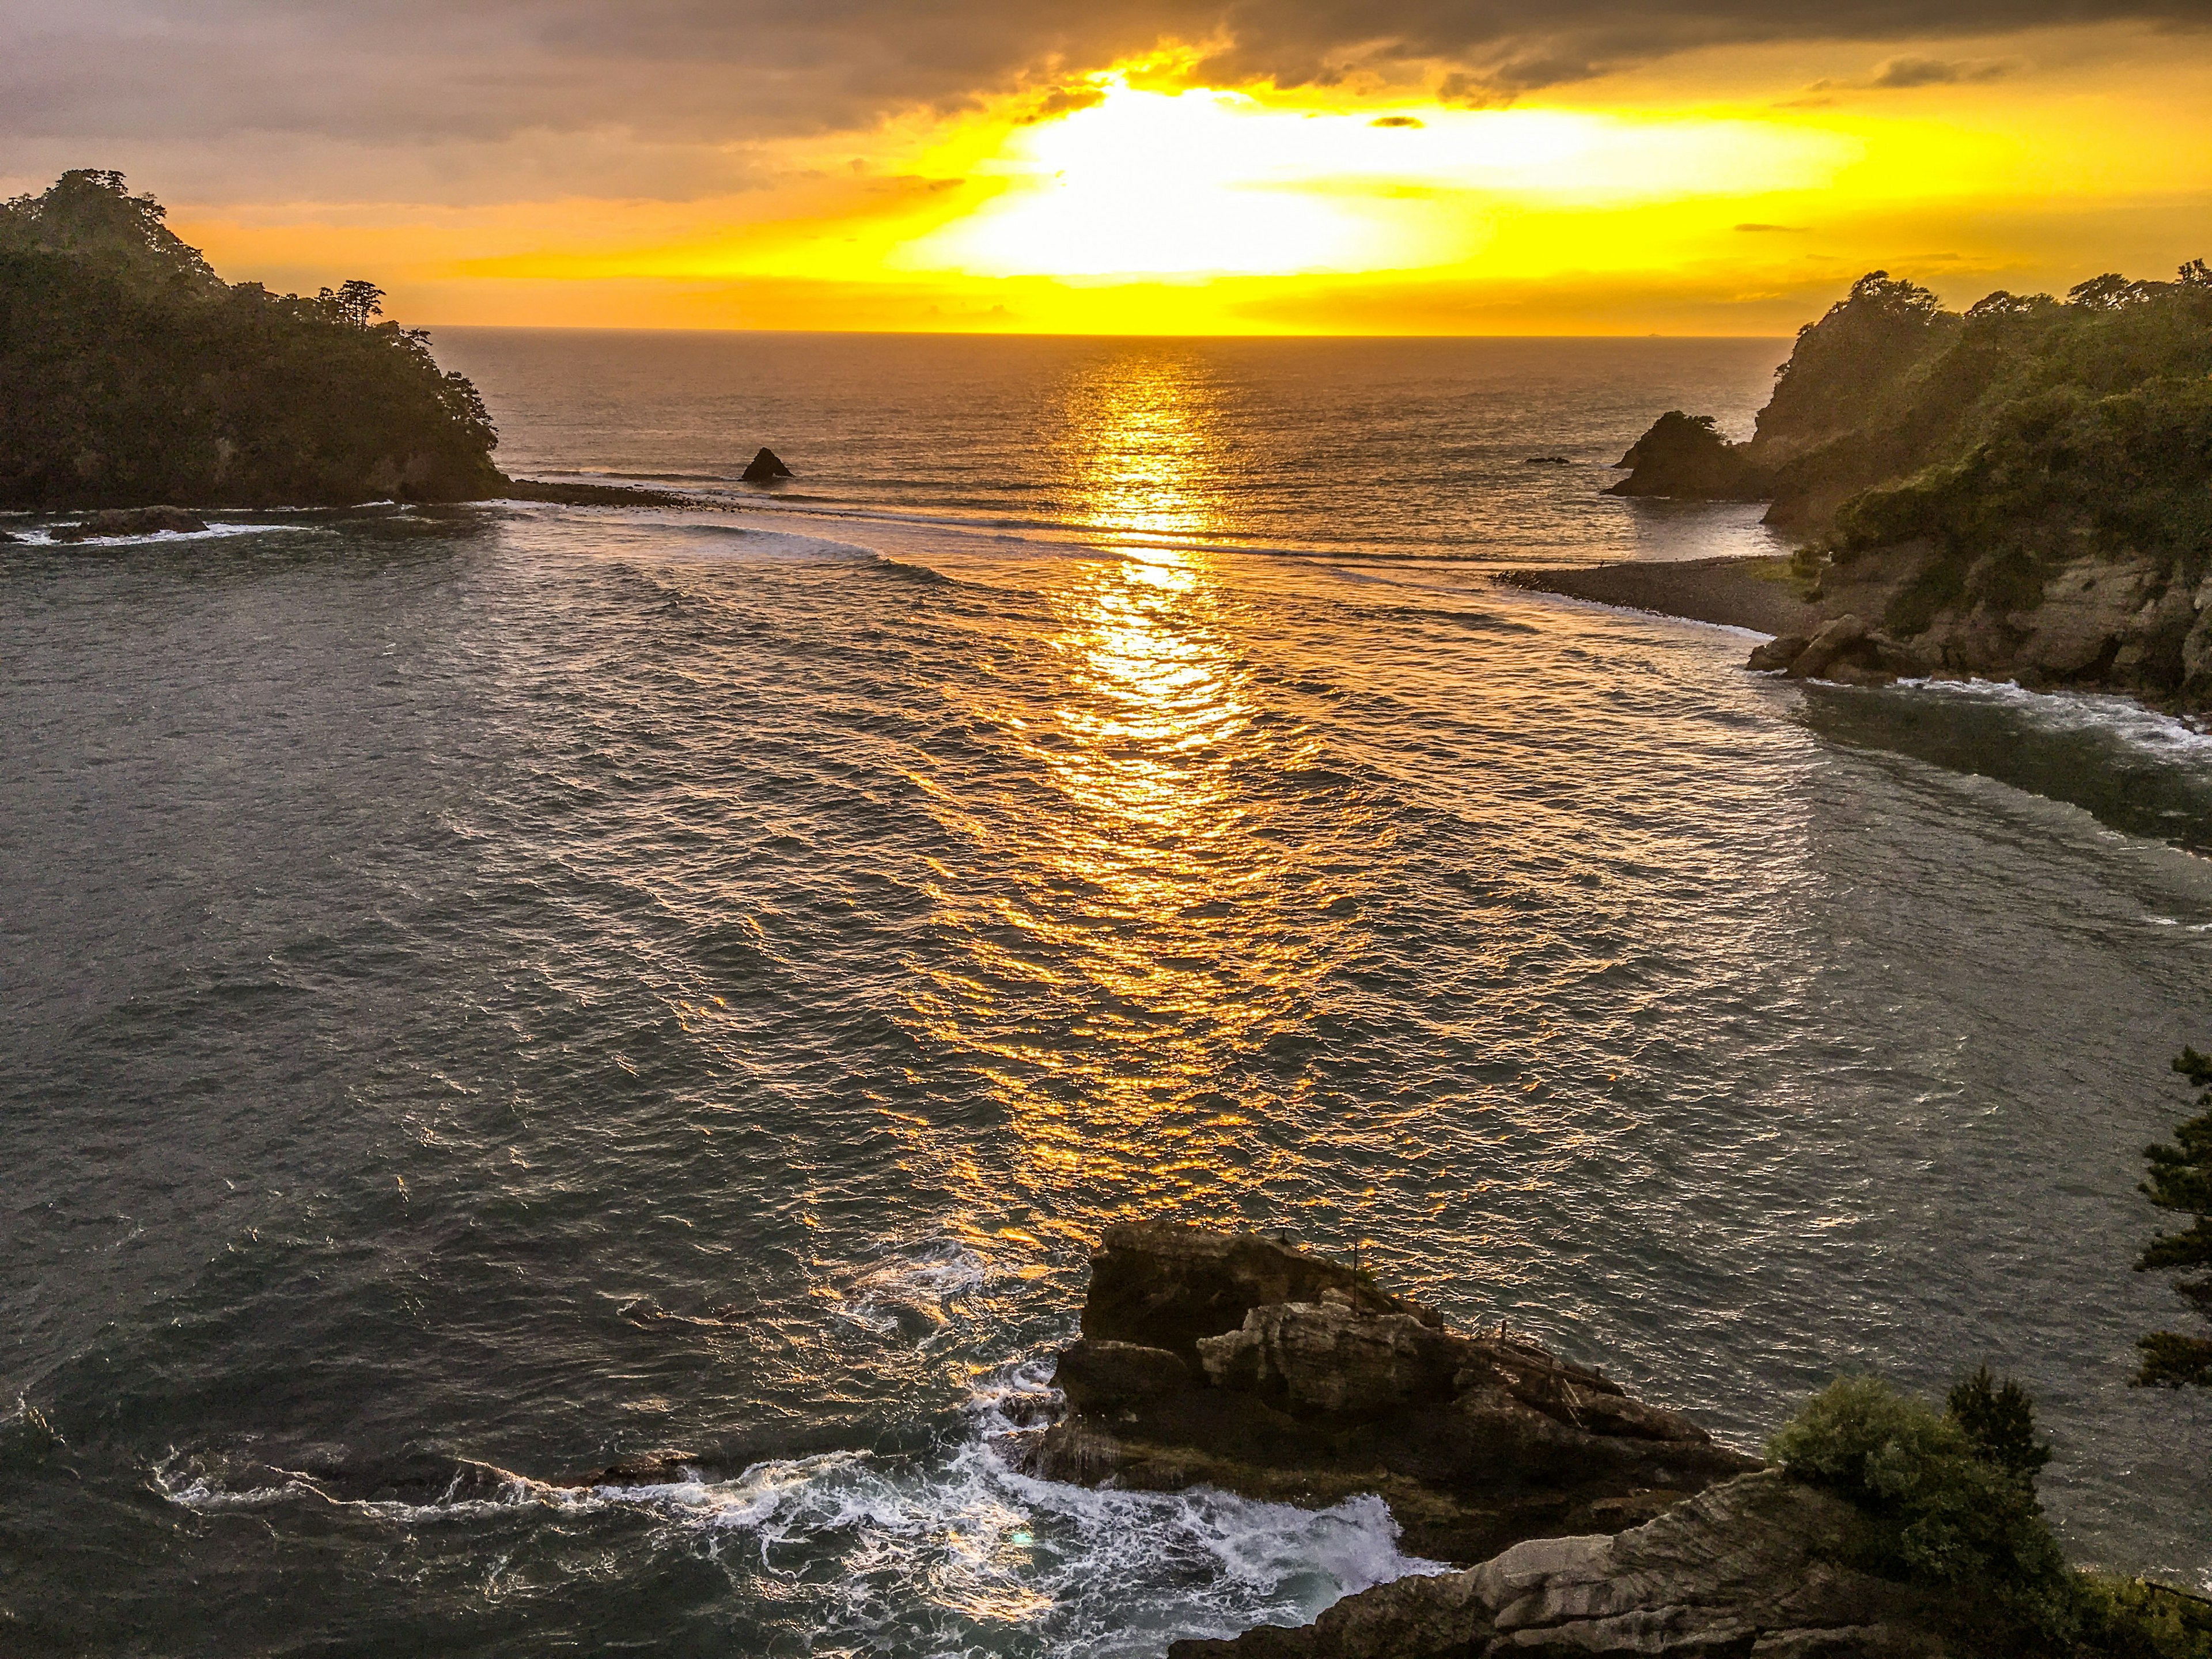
[(2131, 1618), (1943, 1512)]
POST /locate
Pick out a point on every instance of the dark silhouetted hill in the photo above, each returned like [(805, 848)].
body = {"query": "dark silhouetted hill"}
[(130, 374)]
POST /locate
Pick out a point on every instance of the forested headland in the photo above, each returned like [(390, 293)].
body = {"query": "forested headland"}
[(131, 373)]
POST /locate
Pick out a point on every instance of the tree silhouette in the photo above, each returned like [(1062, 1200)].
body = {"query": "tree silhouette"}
[(2181, 1181), (357, 303)]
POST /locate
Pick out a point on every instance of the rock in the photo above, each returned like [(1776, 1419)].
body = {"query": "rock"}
[(1756, 1567), (1303, 1381), (765, 468), (1777, 653), (1165, 1285), (1685, 456), (1831, 642), (131, 521), (1104, 1376), (1323, 1358)]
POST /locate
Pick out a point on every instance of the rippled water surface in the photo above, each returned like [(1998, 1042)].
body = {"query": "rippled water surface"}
[(494, 994)]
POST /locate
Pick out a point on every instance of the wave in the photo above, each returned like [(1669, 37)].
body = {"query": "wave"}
[(948, 1544), (214, 531), (2168, 737)]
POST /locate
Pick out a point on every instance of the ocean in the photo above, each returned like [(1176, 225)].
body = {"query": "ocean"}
[(494, 992)]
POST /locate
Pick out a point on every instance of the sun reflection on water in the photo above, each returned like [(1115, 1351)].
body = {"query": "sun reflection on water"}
[(1143, 951)]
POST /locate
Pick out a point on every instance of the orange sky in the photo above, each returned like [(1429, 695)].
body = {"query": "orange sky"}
[(1724, 188)]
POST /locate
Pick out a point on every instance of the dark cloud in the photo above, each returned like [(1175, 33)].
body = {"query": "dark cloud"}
[(1901, 72), (1397, 121), (397, 73)]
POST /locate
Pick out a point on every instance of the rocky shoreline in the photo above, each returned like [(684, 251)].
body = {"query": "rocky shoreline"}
[(1581, 1519), (2097, 622)]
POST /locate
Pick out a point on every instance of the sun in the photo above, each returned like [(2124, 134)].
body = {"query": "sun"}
[(1149, 183), (1206, 182)]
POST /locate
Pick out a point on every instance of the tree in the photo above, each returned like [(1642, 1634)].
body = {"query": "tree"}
[(90, 214), (2181, 1181), (2112, 292), (355, 303), (2195, 274), (1999, 1418)]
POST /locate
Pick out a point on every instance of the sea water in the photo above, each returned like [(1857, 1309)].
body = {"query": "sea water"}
[(563, 984)]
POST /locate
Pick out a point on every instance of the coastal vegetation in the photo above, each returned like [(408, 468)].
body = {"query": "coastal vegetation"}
[(130, 374), (2181, 1181), (2021, 490)]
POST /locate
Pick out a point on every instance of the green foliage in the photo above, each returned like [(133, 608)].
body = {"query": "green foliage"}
[(2181, 1181), (1998, 1419), (130, 374), (2132, 1619), (1943, 1513)]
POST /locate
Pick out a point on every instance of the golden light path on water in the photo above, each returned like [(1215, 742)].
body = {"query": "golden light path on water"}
[(1153, 901)]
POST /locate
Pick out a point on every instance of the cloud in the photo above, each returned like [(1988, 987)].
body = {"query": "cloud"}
[(1793, 230), (101, 79), (1397, 121), (1897, 73)]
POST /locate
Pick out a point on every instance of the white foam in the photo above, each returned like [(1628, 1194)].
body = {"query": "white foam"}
[(926, 1550), (2166, 737), (45, 538)]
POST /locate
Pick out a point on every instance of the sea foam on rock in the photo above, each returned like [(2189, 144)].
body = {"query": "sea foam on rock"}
[(1233, 1361), (1755, 1567)]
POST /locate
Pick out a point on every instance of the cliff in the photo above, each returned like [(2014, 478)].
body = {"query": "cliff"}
[(2022, 490), (130, 374)]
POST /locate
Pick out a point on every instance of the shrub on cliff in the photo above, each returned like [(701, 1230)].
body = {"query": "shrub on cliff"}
[(1949, 1506), (1949, 1502), (2181, 1181), (129, 373)]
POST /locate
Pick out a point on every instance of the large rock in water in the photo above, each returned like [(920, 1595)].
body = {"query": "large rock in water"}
[(1233, 1361), (765, 467), (1685, 456), (1757, 1568)]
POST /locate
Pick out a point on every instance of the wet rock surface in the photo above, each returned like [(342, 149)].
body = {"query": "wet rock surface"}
[(131, 521), (1238, 1362), (1755, 1568)]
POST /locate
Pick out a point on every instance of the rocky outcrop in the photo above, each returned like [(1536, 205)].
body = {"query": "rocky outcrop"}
[(765, 467), (1756, 1568), (2110, 624), (130, 521), (1685, 456), (1238, 1362)]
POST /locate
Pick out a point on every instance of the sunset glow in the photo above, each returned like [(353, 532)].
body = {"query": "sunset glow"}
[(1735, 190)]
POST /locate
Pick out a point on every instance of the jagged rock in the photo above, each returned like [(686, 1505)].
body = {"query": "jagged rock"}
[(1777, 653), (1304, 1383), (1756, 1568), (765, 467), (1165, 1285), (131, 521), (1319, 1358), (1685, 456), (1102, 1375), (1831, 642)]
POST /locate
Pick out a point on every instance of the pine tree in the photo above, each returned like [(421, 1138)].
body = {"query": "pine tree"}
[(2181, 1180)]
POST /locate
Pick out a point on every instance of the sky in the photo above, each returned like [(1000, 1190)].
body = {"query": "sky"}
[(1144, 166)]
